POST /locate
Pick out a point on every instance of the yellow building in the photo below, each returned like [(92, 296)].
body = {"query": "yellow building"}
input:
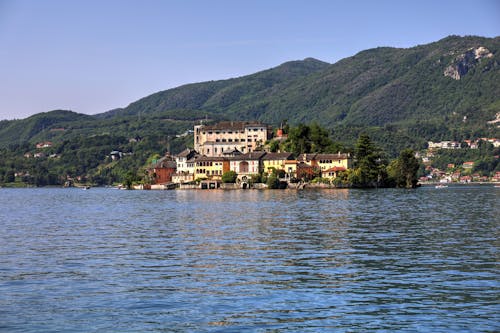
[(277, 161), (329, 161), (210, 167)]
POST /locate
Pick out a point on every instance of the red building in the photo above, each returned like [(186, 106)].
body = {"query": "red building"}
[(162, 170)]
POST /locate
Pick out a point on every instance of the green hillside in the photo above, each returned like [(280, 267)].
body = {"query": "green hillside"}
[(446, 90), (402, 92)]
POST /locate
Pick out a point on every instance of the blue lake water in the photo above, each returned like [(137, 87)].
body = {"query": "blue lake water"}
[(104, 260)]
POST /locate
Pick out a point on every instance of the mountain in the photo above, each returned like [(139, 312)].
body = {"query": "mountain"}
[(401, 97), (443, 90)]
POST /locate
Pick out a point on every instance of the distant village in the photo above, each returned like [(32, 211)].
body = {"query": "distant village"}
[(455, 173)]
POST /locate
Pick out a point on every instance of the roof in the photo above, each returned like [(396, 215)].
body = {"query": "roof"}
[(316, 156), (335, 169), (278, 156), (211, 159), (186, 153), (331, 156), (255, 155), (165, 162)]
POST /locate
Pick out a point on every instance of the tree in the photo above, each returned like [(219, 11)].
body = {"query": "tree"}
[(403, 170), (10, 176), (229, 177), (370, 166), (309, 139)]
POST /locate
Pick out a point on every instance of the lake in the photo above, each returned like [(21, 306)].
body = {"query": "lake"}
[(384, 260)]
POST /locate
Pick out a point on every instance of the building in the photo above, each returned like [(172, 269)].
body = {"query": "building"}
[(333, 172), (326, 161), (215, 140), (276, 161), (182, 160), (444, 145), (45, 144), (246, 165), (468, 165), (211, 167), (162, 170), (325, 165)]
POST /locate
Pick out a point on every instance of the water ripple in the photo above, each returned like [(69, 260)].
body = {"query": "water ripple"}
[(257, 261)]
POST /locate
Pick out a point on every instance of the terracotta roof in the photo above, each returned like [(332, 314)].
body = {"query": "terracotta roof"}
[(335, 169)]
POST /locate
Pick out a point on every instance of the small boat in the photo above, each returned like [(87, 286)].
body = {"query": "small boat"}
[(441, 186)]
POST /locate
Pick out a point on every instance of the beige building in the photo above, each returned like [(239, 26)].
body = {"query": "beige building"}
[(225, 137)]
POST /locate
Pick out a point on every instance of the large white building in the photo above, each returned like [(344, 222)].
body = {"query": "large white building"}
[(225, 137)]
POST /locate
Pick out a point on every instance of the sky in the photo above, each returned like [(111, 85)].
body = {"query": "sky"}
[(91, 56)]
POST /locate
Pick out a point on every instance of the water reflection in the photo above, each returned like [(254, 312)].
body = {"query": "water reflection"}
[(333, 260)]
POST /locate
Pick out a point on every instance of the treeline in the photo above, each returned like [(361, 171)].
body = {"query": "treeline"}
[(81, 160)]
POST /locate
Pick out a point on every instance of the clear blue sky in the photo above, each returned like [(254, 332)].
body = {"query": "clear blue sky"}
[(91, 56)]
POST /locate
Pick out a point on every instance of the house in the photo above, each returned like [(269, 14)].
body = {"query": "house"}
[(328, 164), (465, 179), (468, 165), (162, 170), (333, 172), (330, 161), (186, 162), (116, 155), (214, 140), (246, 165), (182, 160), (444, 145), (276, 161), (496, 177), (45, 144), (211, 167)]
